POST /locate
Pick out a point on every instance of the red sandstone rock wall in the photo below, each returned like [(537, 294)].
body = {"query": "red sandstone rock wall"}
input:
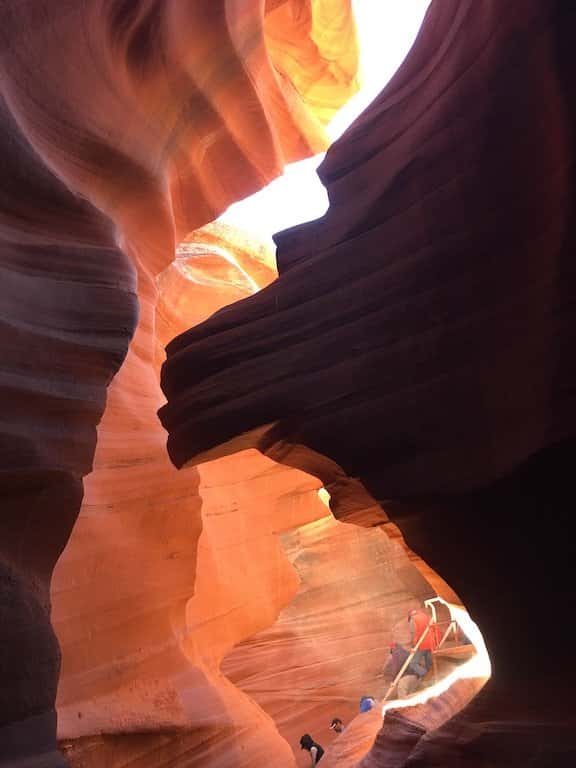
[(329, 645), (239, 550), (123, 125), (169, 609), (420, 335), (166, 571), (443, 269)]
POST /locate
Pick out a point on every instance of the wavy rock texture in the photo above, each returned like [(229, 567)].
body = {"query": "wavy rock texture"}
[(195, 567), (210, 559), (143, 665), (123, 126), (419, 336), (401, 731), (329, 646), (68, 305)]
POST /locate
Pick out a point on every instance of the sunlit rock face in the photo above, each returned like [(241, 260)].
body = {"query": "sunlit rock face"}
[(196, 564), (329, 646), (420, 335), (165, 571), (215, 266), (123, 126), (180, 590), (402, 730), (222, 580)]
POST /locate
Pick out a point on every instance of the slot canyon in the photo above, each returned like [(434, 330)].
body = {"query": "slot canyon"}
[(233, 468)]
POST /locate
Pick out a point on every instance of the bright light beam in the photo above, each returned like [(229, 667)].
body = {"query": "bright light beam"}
[(386, 32), (478, 667)]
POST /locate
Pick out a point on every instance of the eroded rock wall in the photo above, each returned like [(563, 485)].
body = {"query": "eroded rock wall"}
[(68, 305), (167, 571), (330, 644), (215, 563), (124, 125), (148, 676), (419, 336)]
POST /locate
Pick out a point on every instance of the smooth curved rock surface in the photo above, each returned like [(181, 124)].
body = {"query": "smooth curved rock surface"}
[(123, 126), (329, 645), (195, 565), (170, 607), (233, 554), (419, 335), (400, 181), (61, 313)]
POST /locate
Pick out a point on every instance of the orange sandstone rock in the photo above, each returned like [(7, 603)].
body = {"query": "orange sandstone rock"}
[(123, 126)]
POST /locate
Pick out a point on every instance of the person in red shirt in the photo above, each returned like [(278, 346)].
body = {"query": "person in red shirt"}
[(419, 620)]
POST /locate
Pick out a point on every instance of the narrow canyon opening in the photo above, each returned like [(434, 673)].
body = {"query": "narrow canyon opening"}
[(253, 443), (322, 641)]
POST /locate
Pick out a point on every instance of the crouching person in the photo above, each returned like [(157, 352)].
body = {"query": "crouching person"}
[(316, 751)]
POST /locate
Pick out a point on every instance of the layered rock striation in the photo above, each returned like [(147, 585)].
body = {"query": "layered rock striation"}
[(123, 126), (174, 589), (419, 336)]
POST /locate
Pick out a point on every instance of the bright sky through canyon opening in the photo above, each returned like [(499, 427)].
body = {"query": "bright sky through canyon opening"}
[(386, 31)]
